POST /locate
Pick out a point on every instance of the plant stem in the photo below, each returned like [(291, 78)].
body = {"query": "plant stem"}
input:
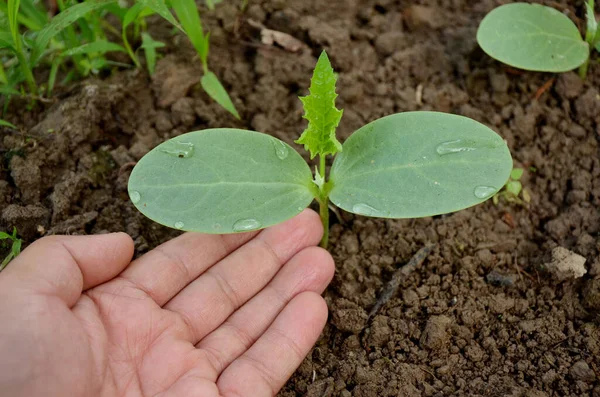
[(583, 69), (324, 204)]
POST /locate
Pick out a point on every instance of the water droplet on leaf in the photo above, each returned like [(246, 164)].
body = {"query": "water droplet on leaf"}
[(482, 192), (178, 149), (179, 225), (365, 209), (217, 226), (456, 146), (135, 196), (281, 150), (300, 209), (246, 225)]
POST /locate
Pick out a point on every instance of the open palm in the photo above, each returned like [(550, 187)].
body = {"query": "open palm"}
[(201, 315)]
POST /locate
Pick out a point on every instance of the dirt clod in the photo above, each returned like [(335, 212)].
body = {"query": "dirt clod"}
[(566, 264)]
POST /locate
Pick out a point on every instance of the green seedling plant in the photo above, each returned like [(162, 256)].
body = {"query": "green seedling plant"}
[(406, 165), (15, 247), (28, 39), (513, 191), (538, 38)]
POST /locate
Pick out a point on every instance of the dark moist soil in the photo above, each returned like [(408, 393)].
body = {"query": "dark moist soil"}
[(448, 331)]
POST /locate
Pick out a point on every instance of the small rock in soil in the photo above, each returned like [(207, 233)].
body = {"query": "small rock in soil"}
[(173, 80), (418, 17), (500, 280), (321, 388), (436, 335), (348, 316), (569, 85), (389, 42), (591, 295), (27, 177), (566, 264), (26, 219), (582, 371)]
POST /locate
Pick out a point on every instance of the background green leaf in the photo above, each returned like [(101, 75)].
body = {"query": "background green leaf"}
[(150, 45), (4, 123), (417, 164), (532, 37), (160, 7), (100, 46), (213, 87), (221, 181), (320, 111), (188, 15), (63, 20)]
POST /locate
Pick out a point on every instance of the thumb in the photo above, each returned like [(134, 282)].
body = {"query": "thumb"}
[(64, 266)]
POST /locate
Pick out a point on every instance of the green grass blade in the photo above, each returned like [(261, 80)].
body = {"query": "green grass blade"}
[(130, 17), (221, 181), (36, 15), (8, 90), (214, 89), (417, 164), (532, 37), (27, 22), (161, 9), (97, 47), (6, 41), (150, 45), (52, 75), (188, 15), (4, 123), (61, 21)]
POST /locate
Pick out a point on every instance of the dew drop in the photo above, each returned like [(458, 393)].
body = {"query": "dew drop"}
[(135, 196), (299, 209), (450, 147), (179, 225), (482, 192), (178, 149), (246, 225), (365, 209), (217, 226), (281, 150)]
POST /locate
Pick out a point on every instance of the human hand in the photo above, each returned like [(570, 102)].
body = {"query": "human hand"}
[(201, 315)]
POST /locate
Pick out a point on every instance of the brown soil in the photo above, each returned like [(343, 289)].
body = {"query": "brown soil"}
[(456, 327)]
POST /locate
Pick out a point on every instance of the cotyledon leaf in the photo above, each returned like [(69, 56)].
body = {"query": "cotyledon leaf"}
[(221, 181), (417, 164), (532, 37)]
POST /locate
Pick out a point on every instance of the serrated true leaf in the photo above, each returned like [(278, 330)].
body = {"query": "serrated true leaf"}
[(417, 164), (221, 181), (532, 37), (320, 111)]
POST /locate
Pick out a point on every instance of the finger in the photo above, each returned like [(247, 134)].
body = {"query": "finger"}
[(310, 270), (269, 363), (168, 268), (209, 300), (64, 266)]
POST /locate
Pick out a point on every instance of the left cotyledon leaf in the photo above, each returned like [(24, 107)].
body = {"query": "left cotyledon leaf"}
[(221, 181)]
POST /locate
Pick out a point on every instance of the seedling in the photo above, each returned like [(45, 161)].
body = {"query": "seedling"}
[(512, 189), (15, 248), (538, 38), (406, 165)]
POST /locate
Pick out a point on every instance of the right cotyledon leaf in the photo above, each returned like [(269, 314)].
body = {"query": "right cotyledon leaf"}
[(221, 181), (532, 37), (418, 164)]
